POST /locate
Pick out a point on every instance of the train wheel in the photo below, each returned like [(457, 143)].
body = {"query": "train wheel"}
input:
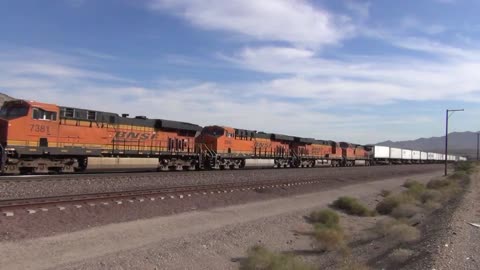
[(163, 168)]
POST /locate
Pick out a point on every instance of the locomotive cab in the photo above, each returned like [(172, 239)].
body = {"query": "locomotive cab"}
[(25, 128)]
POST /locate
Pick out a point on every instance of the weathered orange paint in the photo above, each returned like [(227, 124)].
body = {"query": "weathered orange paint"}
[(226, 142), (26, 131)]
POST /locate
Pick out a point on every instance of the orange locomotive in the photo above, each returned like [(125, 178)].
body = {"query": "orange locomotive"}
[(40, 138), (227, 147)]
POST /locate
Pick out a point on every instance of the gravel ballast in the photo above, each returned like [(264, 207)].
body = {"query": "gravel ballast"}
[(35, 186)]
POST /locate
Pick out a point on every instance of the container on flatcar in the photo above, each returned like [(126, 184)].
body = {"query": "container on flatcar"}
[(406, 156), (381, 152), (423, 156), (416, 155), (395, 155)]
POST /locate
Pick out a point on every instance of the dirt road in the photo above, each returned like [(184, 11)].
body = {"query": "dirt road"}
[(209, 239)]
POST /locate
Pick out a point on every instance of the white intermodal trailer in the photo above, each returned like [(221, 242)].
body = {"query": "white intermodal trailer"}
[(395, 155), (381, 154), (406, 156), (423, 157)]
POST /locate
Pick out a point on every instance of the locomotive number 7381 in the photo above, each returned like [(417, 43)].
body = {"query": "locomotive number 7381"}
[(40, 129)]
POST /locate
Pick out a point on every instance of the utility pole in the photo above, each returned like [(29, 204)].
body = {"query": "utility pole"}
[(447, 116)]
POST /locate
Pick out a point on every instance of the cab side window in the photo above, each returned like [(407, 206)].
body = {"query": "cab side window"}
[(40, 114)]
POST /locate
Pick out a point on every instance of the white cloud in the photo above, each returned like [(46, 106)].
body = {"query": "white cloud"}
[(297, 22), (382, 80), (203, 103)]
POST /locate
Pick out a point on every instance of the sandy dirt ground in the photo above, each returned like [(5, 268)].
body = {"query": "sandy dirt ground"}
[(208, 239), (460, 247)]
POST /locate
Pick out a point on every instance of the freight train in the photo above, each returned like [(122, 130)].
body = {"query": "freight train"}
[(46, 138)]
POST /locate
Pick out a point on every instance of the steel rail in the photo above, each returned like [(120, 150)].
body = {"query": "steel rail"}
[(88, 197)]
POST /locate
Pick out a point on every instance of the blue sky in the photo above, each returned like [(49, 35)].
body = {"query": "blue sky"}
[(361, 71)]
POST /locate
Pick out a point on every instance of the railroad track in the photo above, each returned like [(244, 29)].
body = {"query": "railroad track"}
[(163, 192), (106, 175)]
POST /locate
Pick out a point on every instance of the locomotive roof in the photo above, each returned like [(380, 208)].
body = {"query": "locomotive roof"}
[(282, 137), (113, 118), (305, 140), (263, 135)]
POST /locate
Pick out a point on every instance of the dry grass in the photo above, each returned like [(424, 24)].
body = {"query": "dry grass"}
[(406, 210), (326, 216), (467, 167), (329, 238), (352, 206), (415, 189), (260, 258), (383, 225), (397, 231), (439, 183), (327, 231), (403, 233), (431, 195), (447, 187), (390, 202)]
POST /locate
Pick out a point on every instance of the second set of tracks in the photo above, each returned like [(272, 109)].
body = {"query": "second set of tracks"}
[(188, 190)]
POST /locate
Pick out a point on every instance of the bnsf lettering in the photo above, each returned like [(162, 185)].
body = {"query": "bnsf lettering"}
[(134, 135)]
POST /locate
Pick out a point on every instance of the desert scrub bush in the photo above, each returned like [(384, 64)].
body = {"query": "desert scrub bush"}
[(409, 182), (403, 233), (400, 255), (352, 206), (381, 227), (431, 195), (329, 238), (406, 210), (467, 167), (460, 175), (326, 216), (446, 187), (415, 189), (260, 258), (389, 203), (397, 230), (438, 183)]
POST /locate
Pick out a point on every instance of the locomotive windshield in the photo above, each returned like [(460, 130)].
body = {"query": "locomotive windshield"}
[(13, 111)]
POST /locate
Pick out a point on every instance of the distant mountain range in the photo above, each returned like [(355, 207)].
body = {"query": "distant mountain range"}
[(4, 98), (462, 143)]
